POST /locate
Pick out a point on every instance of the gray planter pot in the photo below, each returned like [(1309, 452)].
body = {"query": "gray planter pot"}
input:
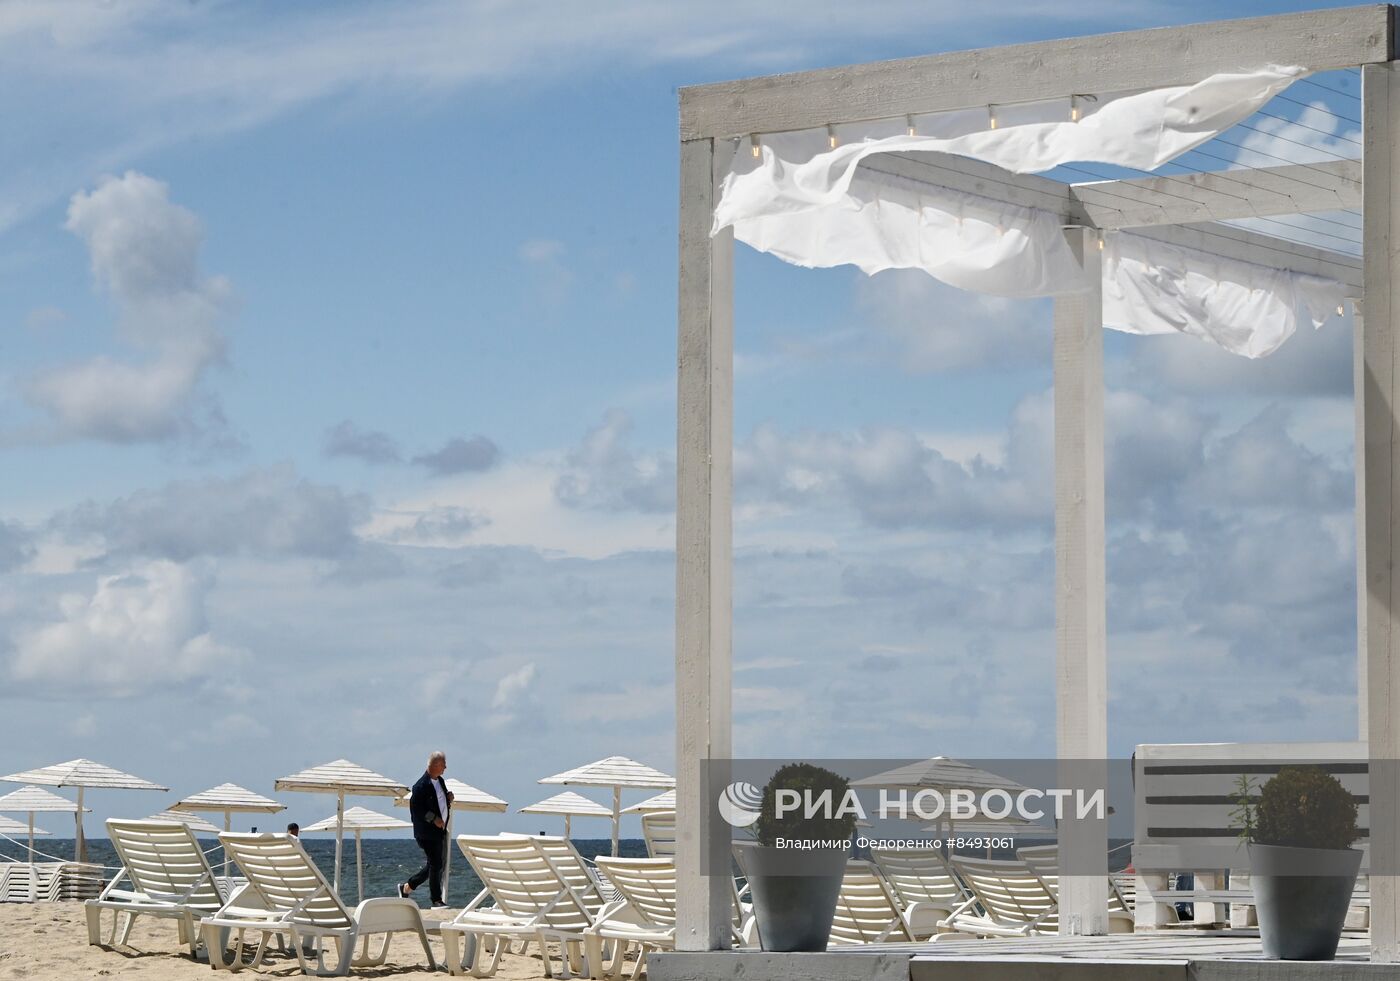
[(1301, 896), (794, 894)]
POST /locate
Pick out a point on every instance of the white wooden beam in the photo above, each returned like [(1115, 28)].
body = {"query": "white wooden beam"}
[(1380, 456), (704, 506), (1358, 386), (1264, 250), (1216, 195), (1081, 632), (1318, 40)]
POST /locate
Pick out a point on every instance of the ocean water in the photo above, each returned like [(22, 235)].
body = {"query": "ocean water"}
[(387, 861)]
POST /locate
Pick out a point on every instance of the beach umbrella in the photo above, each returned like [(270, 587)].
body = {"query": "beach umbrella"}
[(568, 804), (360, 820), (465, 797), (342, 778), (616, 772), (227, 798), (9, 827), (82, 774), (194, 822), (35, 800), (661, 802), (944, 774)]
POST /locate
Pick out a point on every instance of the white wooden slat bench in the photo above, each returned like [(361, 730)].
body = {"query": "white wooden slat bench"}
[(1183, 798)]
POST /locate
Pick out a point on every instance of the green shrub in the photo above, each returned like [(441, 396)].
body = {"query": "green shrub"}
[(1304, 807), (795, 825)]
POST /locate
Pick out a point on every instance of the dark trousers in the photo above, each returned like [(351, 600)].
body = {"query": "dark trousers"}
[(433, 851)]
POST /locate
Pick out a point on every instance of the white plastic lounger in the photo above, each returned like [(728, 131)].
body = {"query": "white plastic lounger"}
[(866, 910), (659, 830), (1044, 862), (296, 899), (925, 887), (538, 895), (169, 877), (1014, 901), (643, 914)]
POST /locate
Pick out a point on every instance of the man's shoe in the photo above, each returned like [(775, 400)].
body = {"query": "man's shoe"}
[(440, 905), (403, 890)]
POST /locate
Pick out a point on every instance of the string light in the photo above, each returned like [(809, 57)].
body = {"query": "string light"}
[(1341, 311), (1074, 108), (831, 136), (753, 146), (991, 117), (909, 125)]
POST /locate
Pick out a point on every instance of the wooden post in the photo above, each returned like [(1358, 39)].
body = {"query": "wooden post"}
[(704, 492), (1080, 615), (1358, 384), (1380, 469)]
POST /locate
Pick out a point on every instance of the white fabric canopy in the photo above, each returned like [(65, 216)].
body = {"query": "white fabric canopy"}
[(803, 197), (1151, 287)]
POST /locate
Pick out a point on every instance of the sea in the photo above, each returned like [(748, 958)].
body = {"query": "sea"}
[(387, 861)]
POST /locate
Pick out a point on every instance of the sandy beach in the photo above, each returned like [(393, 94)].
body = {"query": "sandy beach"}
[(49, 940)]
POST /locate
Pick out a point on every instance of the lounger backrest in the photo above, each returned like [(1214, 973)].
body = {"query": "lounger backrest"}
[(648, 885), (1044, 861), (919, 875), (659, 830), (163, 860), (866, 912), (526, 882), (1008, 891), (286, 879)]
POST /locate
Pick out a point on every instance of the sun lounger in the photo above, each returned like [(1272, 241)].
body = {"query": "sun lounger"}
[(286, 893), (644, 913), (659, 830), (866, 910), (926, 889), (164, 874), (1044, 861), (1014, 901), (541, 891)]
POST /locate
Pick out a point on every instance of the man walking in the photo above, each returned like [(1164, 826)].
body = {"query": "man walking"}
[(429, 807)]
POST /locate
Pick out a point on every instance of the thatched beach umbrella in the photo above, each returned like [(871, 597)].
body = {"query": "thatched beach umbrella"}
[(661, 802), (944, 774), (35, 800), (194, 822), (615, 772), (342, 778), (360, 820), (465, 797), (227, 798), (82, 774), (568, 804)]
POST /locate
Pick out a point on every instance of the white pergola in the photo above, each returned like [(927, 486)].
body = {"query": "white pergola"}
[(716, 119)]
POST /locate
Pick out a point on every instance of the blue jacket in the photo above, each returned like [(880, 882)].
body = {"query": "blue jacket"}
[(423, 808)]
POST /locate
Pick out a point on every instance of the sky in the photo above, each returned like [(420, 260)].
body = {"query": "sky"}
[(337, 418)]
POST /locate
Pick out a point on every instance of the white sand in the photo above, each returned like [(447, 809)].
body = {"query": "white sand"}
[(49, 940)]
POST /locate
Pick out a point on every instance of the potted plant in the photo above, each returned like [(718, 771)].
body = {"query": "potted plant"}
[(797, 860), (1302, 867)]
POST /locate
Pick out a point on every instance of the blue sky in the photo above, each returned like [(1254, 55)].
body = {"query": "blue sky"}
[(337, 409)]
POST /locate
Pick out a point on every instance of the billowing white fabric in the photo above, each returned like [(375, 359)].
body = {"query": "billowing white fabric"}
[(967, 241), (812, 205), (1150, 287), (1141, 131)]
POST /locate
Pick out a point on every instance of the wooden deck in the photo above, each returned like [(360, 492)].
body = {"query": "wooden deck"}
[(1163, 956)]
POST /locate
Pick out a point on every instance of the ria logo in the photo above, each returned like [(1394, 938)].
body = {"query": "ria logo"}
[(740, 804)]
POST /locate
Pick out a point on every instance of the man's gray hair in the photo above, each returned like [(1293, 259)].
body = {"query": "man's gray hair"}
[(435, 756)]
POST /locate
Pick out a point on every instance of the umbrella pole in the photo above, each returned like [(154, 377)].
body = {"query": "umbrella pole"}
[(617, 815), (447, 854), (80, 846), (33, 884), (339, 837), (567, 818), (359, 865), (227, 828)]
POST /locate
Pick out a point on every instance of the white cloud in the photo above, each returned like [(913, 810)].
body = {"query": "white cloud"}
[(512, 686), (603, 472), (142, 630), (144, 251)]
